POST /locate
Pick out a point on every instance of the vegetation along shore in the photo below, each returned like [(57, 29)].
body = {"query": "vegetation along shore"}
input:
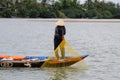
[(91, 9)]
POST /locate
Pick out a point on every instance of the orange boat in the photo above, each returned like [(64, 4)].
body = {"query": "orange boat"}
[(37, 61)]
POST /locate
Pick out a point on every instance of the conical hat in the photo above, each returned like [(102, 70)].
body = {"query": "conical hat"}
[(60, 23)]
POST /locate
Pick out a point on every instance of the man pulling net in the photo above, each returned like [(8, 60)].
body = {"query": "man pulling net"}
[(60, 31)]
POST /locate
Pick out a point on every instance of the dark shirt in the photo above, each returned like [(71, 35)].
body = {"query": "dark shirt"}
[(60, 31)]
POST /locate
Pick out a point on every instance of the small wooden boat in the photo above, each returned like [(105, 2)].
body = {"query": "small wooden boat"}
[(37, 61)]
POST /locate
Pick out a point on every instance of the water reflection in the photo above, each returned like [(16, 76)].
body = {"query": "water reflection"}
[(59, 74), (66, 73)]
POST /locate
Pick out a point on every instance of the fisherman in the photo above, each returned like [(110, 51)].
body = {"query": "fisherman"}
[(60, 31)]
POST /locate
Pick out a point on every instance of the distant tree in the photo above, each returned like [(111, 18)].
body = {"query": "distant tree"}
[(61, 15), (7, 13), (45, 12), (107, 14), (88, 4), (33, 13), (117, 16), (70, 13), (118, 5), (22, 12), (92, 13)]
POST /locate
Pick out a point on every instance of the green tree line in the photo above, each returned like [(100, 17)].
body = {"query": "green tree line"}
[(59, 9)]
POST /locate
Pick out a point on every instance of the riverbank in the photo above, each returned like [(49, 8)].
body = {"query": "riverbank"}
[(66, 20), (79, 20)]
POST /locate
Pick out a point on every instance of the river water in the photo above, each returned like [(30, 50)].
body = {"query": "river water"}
[(101, 40)]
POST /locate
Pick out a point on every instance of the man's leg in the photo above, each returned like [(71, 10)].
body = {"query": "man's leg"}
[(62, 49), (56, 48), (56, 53)]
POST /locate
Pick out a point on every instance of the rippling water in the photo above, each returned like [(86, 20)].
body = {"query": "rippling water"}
[(101, 40)]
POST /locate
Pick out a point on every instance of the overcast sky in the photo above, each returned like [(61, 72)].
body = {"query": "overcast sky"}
[(115, 1)]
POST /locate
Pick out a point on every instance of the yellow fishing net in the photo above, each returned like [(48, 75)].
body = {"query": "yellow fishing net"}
[(62, 52)]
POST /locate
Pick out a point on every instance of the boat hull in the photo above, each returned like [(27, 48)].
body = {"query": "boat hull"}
[(38, 61)]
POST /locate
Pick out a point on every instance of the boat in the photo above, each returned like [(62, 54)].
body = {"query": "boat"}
[(38, 61)]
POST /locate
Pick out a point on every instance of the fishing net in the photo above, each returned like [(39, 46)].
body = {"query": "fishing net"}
[(59, 57)]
